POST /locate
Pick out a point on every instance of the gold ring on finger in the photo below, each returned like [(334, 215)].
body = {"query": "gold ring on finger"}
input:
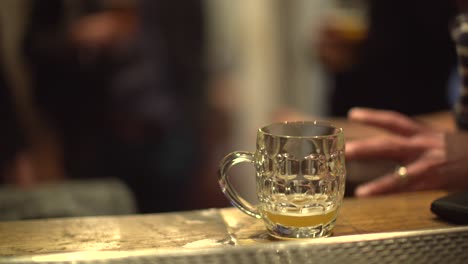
[(402, 173)]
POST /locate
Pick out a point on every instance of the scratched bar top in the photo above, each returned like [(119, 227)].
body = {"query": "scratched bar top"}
[(226, 227), (191, 229), (392, 213)]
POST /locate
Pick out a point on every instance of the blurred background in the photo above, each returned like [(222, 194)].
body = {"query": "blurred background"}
[(127, 106)]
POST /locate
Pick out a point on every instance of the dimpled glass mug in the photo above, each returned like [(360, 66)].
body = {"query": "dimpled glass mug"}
[(300, 180)]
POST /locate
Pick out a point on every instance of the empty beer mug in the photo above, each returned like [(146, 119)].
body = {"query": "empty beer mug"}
[(300, 178)]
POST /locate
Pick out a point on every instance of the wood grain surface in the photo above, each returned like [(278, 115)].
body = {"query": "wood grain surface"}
[(209, 228), (192, 229), (392, 213)]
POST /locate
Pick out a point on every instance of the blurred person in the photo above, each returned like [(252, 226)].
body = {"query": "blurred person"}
[(29, 186), (70, 73), (124, 88), (403, 55), (401, 67), (429, 158), (399, 58)]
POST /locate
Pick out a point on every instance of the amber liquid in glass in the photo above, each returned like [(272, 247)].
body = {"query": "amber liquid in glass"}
[(351, 29), (301, 220)]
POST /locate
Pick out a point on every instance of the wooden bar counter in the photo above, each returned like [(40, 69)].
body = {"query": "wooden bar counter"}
[(211, 228)]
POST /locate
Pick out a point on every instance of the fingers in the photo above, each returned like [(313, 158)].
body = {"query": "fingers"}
[(394, 148), (417, 176), (24, 173), (386, 184), (335, 51), (389, 120), (392, 182)]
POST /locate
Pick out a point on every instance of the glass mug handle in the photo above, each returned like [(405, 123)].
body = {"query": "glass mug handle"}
[(230, 160)]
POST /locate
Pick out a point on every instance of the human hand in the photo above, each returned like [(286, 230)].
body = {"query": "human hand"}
[(20, 171), (33, 166), (338, 42), (429, 156)]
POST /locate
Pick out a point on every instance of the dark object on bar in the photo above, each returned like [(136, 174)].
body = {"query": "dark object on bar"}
[(452, 208)]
